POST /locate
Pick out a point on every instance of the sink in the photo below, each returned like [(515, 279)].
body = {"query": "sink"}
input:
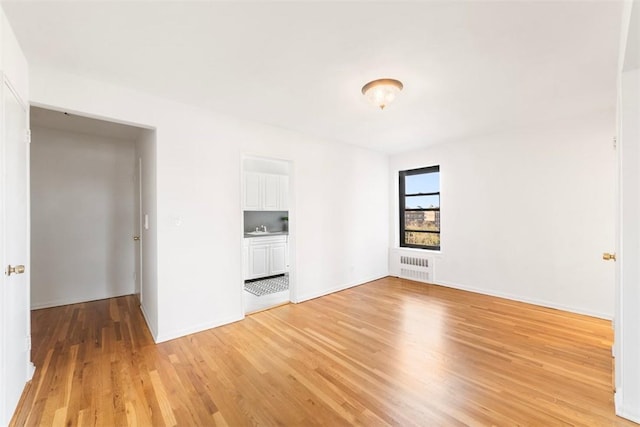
[(255, 233)]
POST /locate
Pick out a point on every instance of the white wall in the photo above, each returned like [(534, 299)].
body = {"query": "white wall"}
[(339, 201), (274, 166), (526, 214), (146, 152), (12, 62), (82, 217)]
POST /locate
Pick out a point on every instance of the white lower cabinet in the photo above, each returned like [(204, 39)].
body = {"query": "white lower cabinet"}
[(278, 258), (265, 256)]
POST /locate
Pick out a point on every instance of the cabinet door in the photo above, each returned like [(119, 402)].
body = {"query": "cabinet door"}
[(258, 261), (284, 193), (252, 191), (271, 196), (278, 258)]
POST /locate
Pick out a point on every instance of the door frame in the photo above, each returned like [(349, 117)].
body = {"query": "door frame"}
[(138, 249), (291, 237)]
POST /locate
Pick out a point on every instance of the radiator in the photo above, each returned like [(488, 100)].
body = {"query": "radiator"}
[(413, 267)]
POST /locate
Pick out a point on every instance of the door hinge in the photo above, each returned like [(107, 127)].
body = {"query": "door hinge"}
[(28, 136), (615, 142)]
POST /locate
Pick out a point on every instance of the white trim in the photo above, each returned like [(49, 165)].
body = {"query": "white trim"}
[(31, 369), (154, 334), (534, 301), (338, 288), (194, 329), (632, 414), (4, 417), (75, 300), (418, 250), (617, 346), (244, 261)]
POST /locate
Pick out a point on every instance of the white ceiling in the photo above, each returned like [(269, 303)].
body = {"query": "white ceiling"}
[(468, 67)]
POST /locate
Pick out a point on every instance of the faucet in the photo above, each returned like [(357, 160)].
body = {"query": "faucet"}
[(264, 228)]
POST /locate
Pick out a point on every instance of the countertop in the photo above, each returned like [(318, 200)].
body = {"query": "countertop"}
[(269, 234)]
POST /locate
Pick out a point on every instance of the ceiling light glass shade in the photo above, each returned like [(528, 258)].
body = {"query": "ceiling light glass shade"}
[(382, 92)]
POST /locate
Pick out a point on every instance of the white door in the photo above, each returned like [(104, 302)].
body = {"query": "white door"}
[(627, 318), (16, 342)]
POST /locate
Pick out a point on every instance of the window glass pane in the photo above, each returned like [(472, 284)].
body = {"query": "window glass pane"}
[(422, 202), (422, 183), (423, 239), (422, 220)]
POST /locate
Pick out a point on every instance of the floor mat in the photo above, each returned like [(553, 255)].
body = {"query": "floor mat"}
[(267, 286)]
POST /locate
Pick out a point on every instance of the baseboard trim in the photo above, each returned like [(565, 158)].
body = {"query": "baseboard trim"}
[(154, 334), (629, 415), (76, 300), (31, 369), (195, 329), (339, 288), (632, 414), (533, 301)]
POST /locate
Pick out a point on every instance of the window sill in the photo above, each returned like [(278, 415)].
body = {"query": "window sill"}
[(419, 250)]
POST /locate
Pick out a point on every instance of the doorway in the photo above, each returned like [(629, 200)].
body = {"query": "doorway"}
[(85, 208), (266, 234)]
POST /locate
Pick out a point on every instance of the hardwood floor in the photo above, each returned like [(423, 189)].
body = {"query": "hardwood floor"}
[(390, 352)]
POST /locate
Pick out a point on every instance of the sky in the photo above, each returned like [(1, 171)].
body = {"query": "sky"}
[(423, 183)]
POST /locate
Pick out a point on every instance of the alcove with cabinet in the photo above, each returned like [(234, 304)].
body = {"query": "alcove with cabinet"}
[(265, 206)]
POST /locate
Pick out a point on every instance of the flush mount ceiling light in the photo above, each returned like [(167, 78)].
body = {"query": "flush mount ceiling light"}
[(382, 92)]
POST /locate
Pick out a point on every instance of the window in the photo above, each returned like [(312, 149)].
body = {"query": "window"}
[(420, 208)]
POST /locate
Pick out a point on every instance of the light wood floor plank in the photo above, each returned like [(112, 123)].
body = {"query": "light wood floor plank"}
[(389, 352)]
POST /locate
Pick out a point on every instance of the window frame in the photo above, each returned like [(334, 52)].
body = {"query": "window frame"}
[(402, 206)]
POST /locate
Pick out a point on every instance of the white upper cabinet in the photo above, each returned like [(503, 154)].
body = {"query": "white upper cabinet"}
[(271, 194), (265, 192), (284, 193), (252, 191)]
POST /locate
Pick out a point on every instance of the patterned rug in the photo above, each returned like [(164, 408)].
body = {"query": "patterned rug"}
[(267, 286)]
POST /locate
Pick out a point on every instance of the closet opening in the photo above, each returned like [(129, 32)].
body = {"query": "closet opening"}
[(92, 209)]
